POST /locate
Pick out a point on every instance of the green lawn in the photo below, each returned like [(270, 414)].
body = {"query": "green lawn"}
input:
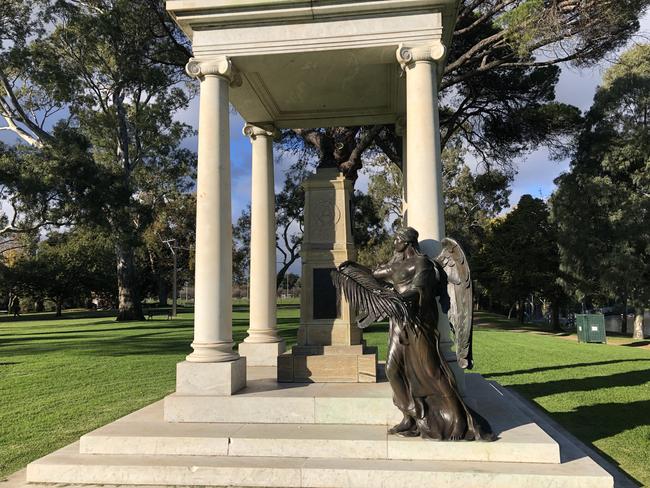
[(62, 378)]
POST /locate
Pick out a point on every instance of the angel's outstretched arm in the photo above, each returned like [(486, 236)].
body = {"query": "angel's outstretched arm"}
[(383, 272)]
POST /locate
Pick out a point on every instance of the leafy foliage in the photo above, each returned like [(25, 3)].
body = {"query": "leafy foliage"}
[(602, 206), (520, 255), (106, 77), (498, 87), (66, 266)]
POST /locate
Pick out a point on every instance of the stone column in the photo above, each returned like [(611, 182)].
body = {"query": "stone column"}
[(400, 130), (213, 367), (424, 198), (263, 345)]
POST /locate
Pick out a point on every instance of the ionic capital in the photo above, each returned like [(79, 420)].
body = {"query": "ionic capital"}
[(221, 67), (254, 131), (408, 56)]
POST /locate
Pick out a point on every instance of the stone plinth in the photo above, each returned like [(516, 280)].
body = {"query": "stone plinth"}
[(317, 435), (330, 347), (329, 364), (201, 379), (262, 354)]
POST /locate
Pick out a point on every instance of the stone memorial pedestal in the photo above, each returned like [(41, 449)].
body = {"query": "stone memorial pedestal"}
[(330, 346), (316, 436)]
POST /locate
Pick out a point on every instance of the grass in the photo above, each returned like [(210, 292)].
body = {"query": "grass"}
[(62, 378)]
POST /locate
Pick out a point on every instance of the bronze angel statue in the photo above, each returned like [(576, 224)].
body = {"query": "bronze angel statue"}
[(405, 291)]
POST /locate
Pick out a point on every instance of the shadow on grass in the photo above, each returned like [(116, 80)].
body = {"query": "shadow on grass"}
[(629, 378), (34, 317), (82, 314), (122, 326), (245, 307), (591, 423), (561, 366), (123, 347), (69, 335), (493, 321), (115, 341), (110, 338), (637, 344)]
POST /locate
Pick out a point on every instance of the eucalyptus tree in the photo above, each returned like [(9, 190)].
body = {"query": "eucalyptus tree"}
[(498, 87), (519, 257), (66, 266), (289, 205), (93, 98), (169, 239), (602, 205), (472, 198)]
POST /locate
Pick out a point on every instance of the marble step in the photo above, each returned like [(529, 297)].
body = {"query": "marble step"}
[(523, 443), (69, 466), (265, 402)]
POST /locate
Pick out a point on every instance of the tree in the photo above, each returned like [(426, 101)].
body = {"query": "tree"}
[(289, 284), (520, 256), (108, 73), (66, 266), (370, 221), (173, 227), (602, 205), (241, 234), (497, 90), (471, 200), (289, 206), (289, 216)]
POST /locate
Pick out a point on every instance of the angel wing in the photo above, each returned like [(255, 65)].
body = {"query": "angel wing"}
[(459, 307), (371, 299)]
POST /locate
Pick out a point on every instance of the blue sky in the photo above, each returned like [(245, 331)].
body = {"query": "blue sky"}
[(536, 171)]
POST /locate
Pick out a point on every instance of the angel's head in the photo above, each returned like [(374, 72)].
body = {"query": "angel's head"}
[(406, 237)]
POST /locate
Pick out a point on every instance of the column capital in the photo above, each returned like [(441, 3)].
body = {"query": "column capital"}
[(407, 56), (221, 67), (253, 131)]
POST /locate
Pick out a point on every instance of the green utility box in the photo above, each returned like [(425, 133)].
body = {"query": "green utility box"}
[(591, 328)]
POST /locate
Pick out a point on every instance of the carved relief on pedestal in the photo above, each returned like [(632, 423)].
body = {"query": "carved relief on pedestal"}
[(325, 214)]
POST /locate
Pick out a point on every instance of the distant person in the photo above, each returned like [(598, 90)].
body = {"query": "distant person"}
[(15, 306)]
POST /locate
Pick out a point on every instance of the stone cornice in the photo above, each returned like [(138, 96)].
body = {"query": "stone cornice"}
[(221, 67), (254, 131), (199, 15), (409, 56)]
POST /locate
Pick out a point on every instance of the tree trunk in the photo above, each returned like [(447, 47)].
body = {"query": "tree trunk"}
[(624, 320), (638, 323), (520, 311), (283, 271), (40, 305), (555, 316), (163, 292), (129, 306), (59, 307)]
